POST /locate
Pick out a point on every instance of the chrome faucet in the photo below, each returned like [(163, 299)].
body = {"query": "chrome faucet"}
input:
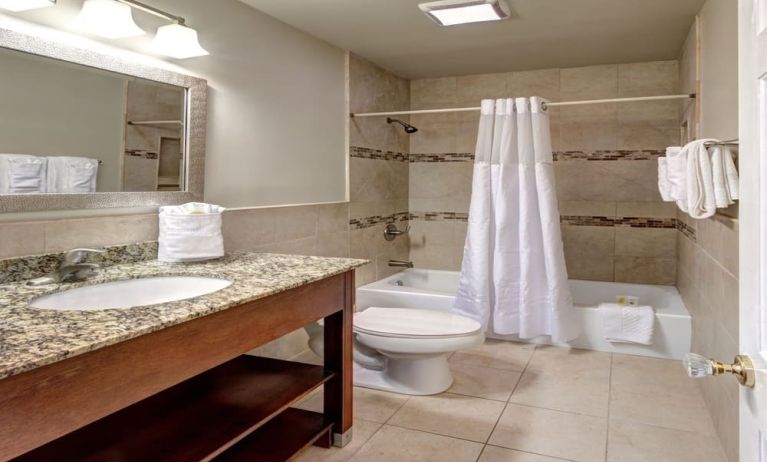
[(74, 268), (400, 264)]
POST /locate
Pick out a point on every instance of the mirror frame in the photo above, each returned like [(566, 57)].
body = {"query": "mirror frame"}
[(194, 136)]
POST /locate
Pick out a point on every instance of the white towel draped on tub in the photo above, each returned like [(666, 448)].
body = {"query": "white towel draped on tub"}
[(72, 174), (627, 324), (513, 278)]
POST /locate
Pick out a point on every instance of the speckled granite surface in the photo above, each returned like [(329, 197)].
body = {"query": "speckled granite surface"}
[(30, 338)]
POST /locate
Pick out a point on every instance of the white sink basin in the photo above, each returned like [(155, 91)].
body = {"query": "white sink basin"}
[(130, 293)]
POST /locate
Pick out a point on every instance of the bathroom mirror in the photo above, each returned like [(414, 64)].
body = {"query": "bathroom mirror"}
[(81, 129)]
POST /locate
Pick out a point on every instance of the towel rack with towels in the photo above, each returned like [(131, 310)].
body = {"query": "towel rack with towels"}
[(722, 143)]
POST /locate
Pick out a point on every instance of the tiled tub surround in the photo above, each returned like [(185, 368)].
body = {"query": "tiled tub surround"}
[(32, 338), (605, 165), (707, 277), (378, 169)]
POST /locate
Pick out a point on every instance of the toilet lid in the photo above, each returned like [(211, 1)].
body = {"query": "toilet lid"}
[(409, 322)]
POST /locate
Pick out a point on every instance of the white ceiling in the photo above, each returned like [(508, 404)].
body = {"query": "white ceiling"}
[(540, 34)]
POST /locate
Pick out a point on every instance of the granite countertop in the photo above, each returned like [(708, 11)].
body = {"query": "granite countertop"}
[(30, 338)]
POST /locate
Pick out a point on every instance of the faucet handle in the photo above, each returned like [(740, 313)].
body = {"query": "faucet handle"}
[(77, 256)]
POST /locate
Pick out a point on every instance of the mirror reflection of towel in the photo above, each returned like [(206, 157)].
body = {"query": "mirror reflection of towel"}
[(72, 174), (22, 174)]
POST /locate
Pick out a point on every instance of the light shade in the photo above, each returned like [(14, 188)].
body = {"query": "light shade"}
[(452, 12), (107, 18), (177, 41), (23, 5)]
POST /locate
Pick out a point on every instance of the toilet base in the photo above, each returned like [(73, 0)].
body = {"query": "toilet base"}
[(422, 375)]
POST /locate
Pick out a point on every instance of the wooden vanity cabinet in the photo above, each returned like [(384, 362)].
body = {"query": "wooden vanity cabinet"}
[(188, 392)]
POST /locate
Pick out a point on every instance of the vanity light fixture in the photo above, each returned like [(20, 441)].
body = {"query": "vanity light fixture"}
[(24, 5), (107, 18), (175, 40), (453, 12)]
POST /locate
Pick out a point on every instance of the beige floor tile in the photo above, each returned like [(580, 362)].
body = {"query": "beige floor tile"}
[(509, 356), (558, 359), (370, 405), (483, 382), (553, 433), (362, 432), (376, 406), (634, 442), (582, 392), (450, 415), (307, 357), (657, 392), (393, 444), (496, 454)]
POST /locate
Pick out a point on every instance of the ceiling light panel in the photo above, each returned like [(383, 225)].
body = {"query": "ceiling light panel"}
[(454, 12)]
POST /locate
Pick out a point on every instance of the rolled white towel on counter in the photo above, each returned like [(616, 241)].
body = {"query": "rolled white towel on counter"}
[(628, 324), (190, 233)]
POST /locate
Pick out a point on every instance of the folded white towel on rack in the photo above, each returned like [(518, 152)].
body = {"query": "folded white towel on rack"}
[(664, 185), (721, 183), (627, 324), (731, 173), (22, 174), (701, 198), (69, 175), (676, 173)]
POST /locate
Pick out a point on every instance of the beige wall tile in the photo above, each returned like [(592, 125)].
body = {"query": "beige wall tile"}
[(591, 82), (22, 239), (645, 270), (62, 235), (470, 90), (647, 209), (295, 222), (589, 251), (440, 184), (587, 208), (544, 83), (432, 93), (645, 242), (247, 229), (648, 79), (333, 217), (611, 181)]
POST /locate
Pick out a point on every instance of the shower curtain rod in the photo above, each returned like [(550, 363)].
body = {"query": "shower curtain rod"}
[(561, 103)]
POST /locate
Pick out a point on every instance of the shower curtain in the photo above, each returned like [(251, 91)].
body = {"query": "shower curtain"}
[(513, 278)]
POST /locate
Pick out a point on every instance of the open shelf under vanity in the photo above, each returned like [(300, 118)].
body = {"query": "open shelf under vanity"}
[(234, 412)]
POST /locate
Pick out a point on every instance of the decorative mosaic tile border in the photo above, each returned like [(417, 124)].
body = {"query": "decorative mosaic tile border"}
[(631, 222), (688, 231), (141, 153), (443, 157), (439, 216), (22, 268), (640, 154), (368, 153), (368, 222)]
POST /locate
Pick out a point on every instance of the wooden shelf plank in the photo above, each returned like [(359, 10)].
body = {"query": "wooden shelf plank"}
[(194, 420), (281, 438)]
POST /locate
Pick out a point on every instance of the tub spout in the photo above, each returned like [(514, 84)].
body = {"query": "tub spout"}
[(400, 264)]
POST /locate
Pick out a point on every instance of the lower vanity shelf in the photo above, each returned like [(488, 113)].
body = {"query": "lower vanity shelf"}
[(234, 412)]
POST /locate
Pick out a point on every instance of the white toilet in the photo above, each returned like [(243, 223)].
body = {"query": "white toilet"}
[(405, 350)]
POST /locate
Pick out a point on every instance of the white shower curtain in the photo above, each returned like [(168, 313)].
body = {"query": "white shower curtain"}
[(513, 279)]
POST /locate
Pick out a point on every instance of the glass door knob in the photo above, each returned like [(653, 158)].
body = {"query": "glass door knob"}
[(742, 368)]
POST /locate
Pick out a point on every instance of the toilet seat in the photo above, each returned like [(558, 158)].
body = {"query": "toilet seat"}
[(409, 323)]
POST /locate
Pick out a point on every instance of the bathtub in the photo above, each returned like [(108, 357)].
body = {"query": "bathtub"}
[(432, 289)]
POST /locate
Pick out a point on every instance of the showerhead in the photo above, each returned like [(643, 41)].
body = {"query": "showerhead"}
[(409, 129)]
